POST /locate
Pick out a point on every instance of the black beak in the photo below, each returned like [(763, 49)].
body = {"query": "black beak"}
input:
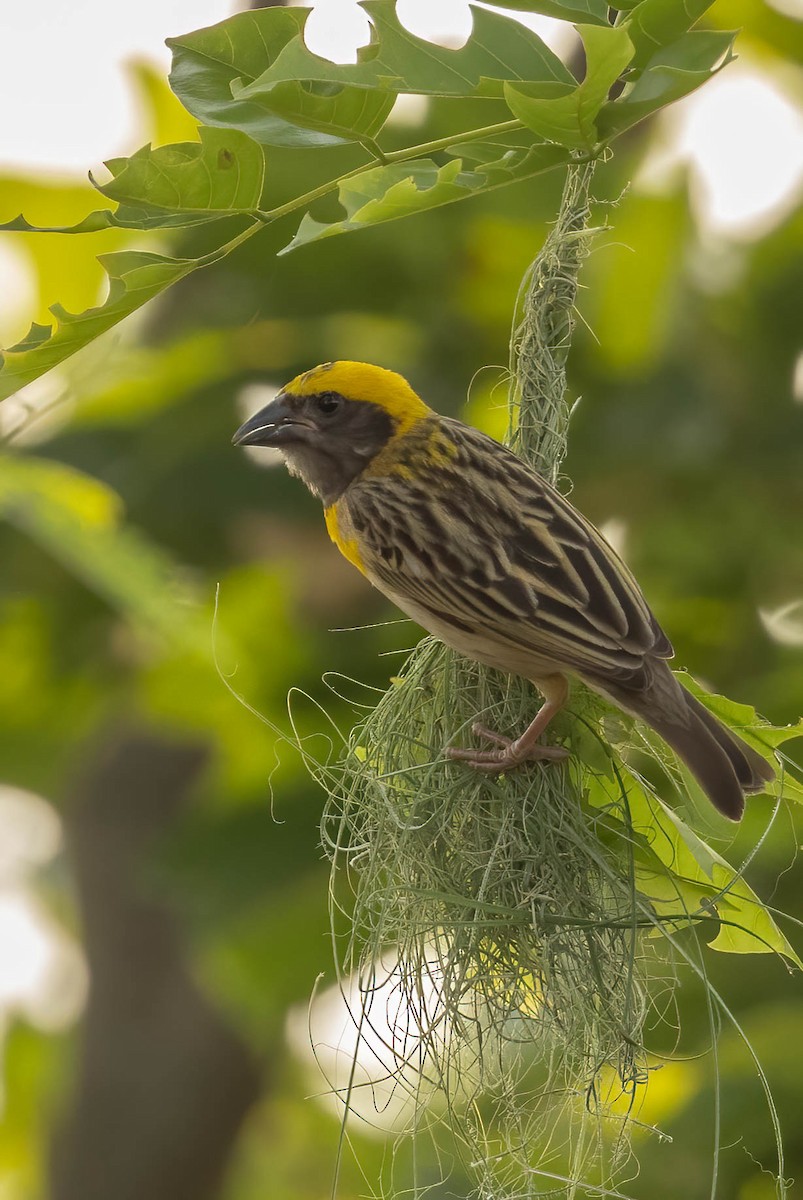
[(274, 425)]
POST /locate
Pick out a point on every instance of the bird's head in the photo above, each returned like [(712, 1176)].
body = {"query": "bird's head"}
[(332, 421)]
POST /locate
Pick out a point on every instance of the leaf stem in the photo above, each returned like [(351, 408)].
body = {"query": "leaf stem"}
[(373, 147), (392, 156), (222, 251), (443, 143), (261, 218)]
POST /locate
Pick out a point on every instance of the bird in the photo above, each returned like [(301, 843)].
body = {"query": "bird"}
[(477, 547)]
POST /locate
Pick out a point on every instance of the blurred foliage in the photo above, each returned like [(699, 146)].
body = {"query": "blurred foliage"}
[(132, 512)]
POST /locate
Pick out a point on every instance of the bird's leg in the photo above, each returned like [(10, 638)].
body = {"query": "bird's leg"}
[(525, 748)]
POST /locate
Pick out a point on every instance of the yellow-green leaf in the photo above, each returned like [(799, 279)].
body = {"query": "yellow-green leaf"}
[(223, 173), (401, 189)]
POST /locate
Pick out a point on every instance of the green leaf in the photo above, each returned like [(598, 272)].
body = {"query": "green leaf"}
[(189, 183), (656, 23), (345, 113), (135, 277), (400, 189), (498, 49), (676, 870), (669, 75), (211, 64), (681, 876), (123, 217), (223, 173), (103, 218), (588, 12), (78, 520), (569, 119)]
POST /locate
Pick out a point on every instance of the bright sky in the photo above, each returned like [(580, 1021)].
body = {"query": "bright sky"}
[(63, 94)]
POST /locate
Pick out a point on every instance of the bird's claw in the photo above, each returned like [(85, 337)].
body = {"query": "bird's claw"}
[(489, 735), (508, 756)]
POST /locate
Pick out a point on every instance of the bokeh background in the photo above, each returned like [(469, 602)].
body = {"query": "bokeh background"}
[(163, 896)]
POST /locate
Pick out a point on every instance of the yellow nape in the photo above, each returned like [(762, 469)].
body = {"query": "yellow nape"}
[(362, 381)]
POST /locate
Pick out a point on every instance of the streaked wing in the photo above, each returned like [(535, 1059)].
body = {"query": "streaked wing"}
[(482, 541)]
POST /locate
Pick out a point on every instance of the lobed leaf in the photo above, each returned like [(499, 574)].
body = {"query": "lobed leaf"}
[(212, 66), (221, 174), (261, 56), (103, 218), (135, 276), (569, 119), (400, 189), (177, 186), (126, 216), (671, 74), (499, 49)]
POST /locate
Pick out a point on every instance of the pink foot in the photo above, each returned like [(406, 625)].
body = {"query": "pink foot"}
[(510, 753)]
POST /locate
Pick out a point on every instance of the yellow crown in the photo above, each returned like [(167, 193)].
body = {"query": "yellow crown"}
[(362, 381)]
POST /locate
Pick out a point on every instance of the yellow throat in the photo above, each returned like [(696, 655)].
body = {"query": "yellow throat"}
[(373, 385)]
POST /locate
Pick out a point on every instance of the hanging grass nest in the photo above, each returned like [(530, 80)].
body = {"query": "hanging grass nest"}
[(494, 930)]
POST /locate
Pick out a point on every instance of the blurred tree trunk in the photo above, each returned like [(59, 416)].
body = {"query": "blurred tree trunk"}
[(163, 1084)]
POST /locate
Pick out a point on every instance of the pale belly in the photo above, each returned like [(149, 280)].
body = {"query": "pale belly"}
[(482, 648)]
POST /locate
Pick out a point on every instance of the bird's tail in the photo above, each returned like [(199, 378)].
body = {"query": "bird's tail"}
[(725, 766)]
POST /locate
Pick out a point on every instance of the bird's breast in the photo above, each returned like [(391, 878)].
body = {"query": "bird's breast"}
[(341, 530)]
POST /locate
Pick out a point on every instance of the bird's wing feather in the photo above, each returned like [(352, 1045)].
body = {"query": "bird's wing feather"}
[(485, 542)]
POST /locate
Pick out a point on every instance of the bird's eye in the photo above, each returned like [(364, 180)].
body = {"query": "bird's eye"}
[(328, 402)]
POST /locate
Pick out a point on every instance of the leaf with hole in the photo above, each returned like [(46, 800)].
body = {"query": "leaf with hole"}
[(345, 114), (499, 49), (176, 186), (212, 67)]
